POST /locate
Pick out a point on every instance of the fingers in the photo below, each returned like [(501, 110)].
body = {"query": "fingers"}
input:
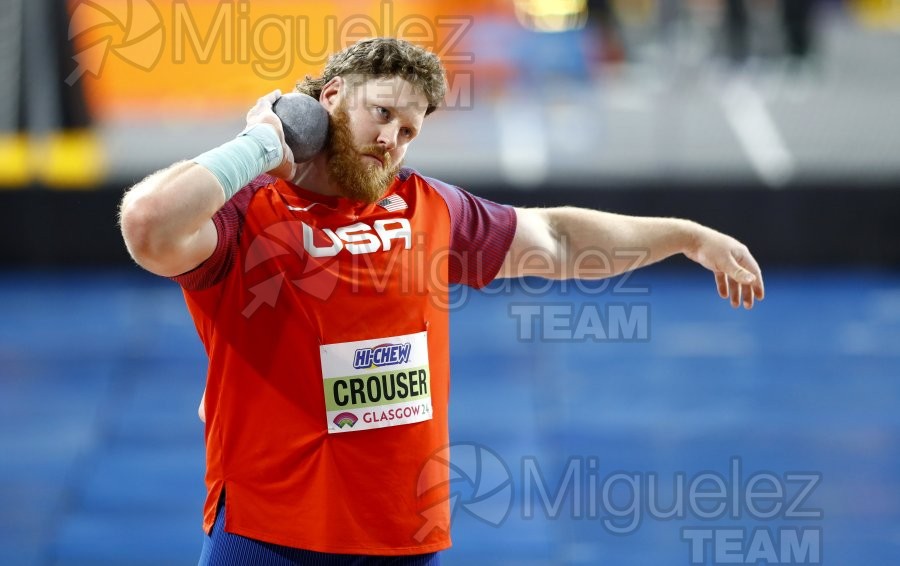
[(262, 113), (722, 285), (739, 273), (272, 96), (739, 282), (738, 294), (267, 100), (747, 296), (758, 287), (263, 104), (738, 276), (746, 271), (734, 292)]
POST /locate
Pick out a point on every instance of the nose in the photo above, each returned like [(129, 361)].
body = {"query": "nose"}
[(387, 137)]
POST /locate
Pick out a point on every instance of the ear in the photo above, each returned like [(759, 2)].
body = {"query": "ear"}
[(331, 93)]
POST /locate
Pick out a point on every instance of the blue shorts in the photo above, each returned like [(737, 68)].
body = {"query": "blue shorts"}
[(226, 549)]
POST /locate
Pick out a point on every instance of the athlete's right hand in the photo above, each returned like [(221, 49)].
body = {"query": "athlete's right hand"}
[(262, 113)]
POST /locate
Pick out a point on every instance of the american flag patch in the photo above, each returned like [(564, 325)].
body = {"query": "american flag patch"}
[(393, 203)]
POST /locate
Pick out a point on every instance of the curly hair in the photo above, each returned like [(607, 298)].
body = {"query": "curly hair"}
[(384, 57)]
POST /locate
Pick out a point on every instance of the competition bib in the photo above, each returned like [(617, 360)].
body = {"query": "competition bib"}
[(376, 383)]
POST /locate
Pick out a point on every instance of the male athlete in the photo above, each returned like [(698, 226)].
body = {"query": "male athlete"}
[(319, 291)]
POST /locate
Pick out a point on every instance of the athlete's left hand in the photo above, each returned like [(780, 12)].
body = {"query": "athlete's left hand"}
[(738, 276)]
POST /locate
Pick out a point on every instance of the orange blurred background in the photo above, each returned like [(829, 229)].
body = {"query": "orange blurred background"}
[(207, 56)]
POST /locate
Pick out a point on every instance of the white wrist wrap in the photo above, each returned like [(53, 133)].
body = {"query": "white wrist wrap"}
[(237, 162)]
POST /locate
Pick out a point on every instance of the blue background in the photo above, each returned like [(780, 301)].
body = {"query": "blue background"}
[(102, 452)]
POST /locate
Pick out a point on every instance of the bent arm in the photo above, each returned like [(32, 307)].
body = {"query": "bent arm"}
[(166, 219), (562, 243)]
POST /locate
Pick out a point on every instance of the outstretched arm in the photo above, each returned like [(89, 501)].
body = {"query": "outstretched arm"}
[(562, 243)]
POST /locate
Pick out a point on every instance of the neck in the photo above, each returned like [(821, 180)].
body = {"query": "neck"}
[(313, 176)]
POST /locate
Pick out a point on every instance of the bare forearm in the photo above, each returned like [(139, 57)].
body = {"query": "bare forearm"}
[(563, 243), (601, 244), (168, 208)]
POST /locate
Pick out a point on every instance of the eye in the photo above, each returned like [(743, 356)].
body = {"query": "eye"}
[(406, 132), (383, 112)]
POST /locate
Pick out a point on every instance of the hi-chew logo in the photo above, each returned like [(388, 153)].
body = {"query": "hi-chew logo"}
[(381, 355), (345, 419)]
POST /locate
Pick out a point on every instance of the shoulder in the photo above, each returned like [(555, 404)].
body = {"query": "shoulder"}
[(452, 195), (410, 175), (240, 202)]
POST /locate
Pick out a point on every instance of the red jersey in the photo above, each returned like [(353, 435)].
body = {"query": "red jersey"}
[(326, 325)]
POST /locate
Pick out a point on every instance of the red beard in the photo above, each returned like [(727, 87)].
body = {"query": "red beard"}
[(354, 178)]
